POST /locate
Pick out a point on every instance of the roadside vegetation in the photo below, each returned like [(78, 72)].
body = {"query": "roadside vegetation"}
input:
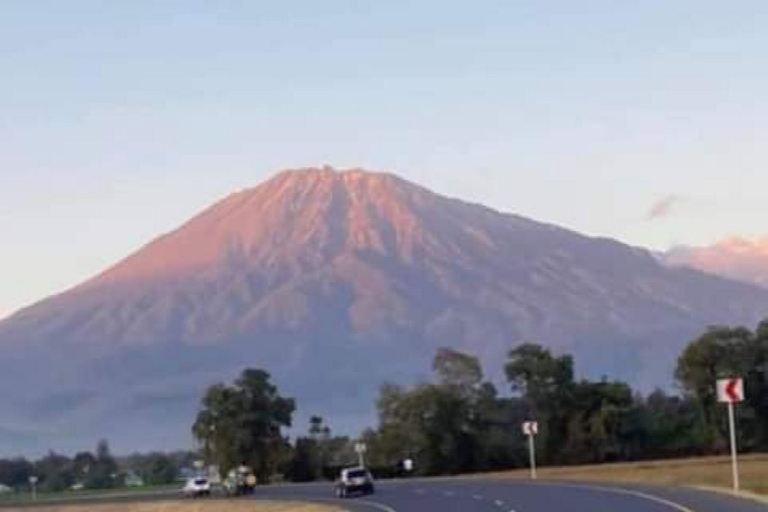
[(459, 423), (706, 472)]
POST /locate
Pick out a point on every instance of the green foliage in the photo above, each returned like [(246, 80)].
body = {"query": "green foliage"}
[(158, 469), (437, 424), (456, 369), (15, 472), (458, 423), (724, 352), (241, 424), (103, 473), (319, 455), (305, 465), (54, 472)]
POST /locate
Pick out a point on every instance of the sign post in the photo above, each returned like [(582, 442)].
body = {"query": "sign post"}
[(33, 484), (360, 449), (531, 429), (731, 391)]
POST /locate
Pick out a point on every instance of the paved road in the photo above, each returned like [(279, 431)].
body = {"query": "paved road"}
[(488, 495), (478, 495)]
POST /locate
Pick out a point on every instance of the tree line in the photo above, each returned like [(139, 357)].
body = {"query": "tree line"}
[(460, 422), (94, 470)]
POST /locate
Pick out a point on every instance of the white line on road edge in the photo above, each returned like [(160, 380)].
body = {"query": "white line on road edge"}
[(374, 504), (477, 497), (499, 503), (621, 490), (341, 503)]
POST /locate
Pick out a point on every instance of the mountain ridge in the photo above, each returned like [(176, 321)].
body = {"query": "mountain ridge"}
[(315, 275)]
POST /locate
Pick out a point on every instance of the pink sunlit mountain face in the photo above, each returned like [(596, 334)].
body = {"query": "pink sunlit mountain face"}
[(336, 282), (737, 258)]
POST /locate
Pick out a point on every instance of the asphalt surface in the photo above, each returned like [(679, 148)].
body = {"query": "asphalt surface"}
[(479, 495)]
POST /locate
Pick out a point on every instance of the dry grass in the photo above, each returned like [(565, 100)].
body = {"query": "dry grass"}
[(701, 472), (178, 506)]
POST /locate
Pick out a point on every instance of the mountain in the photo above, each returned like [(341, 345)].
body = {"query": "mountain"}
[(336, 282), (737, 258)]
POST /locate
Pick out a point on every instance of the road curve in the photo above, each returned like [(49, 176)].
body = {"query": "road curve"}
[(486, 495)]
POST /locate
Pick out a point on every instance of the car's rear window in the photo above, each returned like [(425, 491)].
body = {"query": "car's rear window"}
[(356, 474), (201, 481)]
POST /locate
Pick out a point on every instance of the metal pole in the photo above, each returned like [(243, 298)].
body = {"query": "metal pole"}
[(361, 458), (734, 456), (532, 450)]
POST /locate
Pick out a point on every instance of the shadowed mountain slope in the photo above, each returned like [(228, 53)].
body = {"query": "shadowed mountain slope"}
[(335, 282)]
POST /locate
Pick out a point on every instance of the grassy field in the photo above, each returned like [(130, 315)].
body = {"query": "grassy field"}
[(701, 472), (187, 506), (25, 496)]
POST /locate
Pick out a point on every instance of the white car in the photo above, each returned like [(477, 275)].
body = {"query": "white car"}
[(197, 487), (354, 480)]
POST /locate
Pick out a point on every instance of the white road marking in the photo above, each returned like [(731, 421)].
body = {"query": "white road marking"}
[(380, 506), (449, 493), (499, 503), (477, 497), (619, 490)]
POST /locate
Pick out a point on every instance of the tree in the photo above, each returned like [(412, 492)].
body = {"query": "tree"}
[(535, 373), (82, 464), (55, 472), (103, 473), (456, 369), (436, 424), (158, 469), (725, 352), (241, 424), (15, 472), (305, 465), (546, 383)]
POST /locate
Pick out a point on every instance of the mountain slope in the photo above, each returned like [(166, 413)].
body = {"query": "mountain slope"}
[(336, 281), (735, 258)]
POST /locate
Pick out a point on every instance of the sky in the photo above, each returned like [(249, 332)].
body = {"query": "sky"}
[(120, 120)]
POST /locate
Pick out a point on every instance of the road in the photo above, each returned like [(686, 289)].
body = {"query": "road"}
[(480, 495), (483, 495)]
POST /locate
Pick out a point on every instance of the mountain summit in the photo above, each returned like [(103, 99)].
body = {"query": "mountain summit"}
[(335, 282)]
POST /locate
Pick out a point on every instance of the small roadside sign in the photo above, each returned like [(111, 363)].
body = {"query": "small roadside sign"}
[(33, 482), (730, 390), (531, 428), (360, 449)]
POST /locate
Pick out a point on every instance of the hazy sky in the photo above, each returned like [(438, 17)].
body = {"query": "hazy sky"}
[(120, 120)]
